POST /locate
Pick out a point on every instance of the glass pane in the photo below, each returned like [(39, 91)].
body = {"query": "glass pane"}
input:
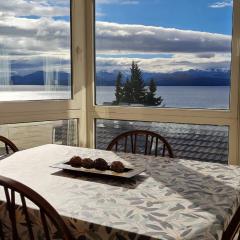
[(27, 135), (163, 53), (197, 142), (35, 52)]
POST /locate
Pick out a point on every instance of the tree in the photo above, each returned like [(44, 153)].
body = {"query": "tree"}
[(150, 99), (137, 84), (127, 92), (133, 91), (118, 88)]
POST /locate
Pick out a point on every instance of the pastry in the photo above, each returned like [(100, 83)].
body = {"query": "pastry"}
[(87, 163), (75, 161), (101, 164), (117, 166)]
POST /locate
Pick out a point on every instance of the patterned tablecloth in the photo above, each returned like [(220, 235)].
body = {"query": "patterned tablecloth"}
[(173, 199)]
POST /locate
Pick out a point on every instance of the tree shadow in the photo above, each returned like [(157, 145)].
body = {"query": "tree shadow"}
[(206, 193)]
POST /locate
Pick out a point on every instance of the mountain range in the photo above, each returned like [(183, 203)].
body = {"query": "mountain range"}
[(210, 77), (37, 78), (182, 78)]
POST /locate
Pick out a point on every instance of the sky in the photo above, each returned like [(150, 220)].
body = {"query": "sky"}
[(199, 15), (163, 35), (34, 33)]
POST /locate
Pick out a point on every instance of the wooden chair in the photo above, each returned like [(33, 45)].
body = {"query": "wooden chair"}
[(47, 212), (233, 228), (9, 145), (151, 142)]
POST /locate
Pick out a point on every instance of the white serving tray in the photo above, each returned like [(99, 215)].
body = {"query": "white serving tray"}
[(131, 172)]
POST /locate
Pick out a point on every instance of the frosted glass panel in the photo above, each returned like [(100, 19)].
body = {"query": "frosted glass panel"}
[(27, 135)]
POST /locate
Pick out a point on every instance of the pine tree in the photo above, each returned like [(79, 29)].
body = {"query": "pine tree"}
[(127, 92), (150, 99), (118, 89), (133, 90), (137, 84)]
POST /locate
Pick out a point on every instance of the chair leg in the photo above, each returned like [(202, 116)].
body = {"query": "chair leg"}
[(1, 231), (6, 148)]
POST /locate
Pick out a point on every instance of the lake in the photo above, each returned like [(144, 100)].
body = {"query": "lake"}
[(180, 96), (215, 97)]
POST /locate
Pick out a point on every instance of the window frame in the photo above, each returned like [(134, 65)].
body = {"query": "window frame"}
[(228, 117), (51, 110), (83, 108)]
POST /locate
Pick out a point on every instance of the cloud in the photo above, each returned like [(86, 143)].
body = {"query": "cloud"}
[(31, 41), (188, 49), (99, 12), (22, 36), (205, 55), (28, 42), (223, 4), (34, 64), (42, 8), (121, 2), (178, 62), (34, 35), (124, 38)]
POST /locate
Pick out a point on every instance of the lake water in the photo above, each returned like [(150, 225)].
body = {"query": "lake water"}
[(180, 96), (174, 96), (27, 93)]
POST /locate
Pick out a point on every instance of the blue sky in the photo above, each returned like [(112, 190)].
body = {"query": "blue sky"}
[(163, 35), (199, 15)]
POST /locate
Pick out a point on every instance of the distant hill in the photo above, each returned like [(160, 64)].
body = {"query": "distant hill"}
[(184, 78), (37, 78)]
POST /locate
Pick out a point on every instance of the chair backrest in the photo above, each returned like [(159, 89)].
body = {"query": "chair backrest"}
[(47, 212), (151, 143), (9, 145)]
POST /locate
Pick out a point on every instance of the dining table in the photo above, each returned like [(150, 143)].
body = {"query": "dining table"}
[(173, 199)]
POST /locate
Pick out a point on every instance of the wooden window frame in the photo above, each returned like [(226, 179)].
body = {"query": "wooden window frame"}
[(229, 117), (83, 108)]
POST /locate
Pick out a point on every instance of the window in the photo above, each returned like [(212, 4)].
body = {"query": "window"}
[(35, 50), (163, 53), (196, 142), (38, 85), (180, 70), (184, 57)]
